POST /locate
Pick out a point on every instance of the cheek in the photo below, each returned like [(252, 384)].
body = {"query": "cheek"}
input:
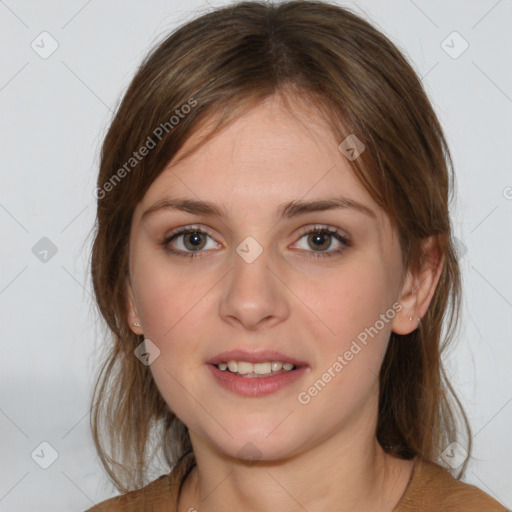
[(165, 295), (171, 311), (174, 307), (352, 321), (348, 300)]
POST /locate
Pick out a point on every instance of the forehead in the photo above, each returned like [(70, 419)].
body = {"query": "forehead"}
[(267, 157)]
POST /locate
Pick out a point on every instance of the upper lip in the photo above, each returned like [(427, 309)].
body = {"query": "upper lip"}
[(260, 356)]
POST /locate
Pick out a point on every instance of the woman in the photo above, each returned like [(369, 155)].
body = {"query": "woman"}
[(274, 258)]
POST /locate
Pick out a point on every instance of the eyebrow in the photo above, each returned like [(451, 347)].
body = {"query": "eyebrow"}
[(286, 210)]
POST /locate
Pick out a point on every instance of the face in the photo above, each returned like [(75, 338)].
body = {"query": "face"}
[(318, 287)]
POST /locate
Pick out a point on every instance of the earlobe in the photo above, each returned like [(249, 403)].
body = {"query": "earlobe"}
[(133, 315), (418, 289), (406, 320), (136, 322)]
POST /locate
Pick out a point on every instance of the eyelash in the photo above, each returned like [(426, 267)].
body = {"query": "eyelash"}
[(315, 254)]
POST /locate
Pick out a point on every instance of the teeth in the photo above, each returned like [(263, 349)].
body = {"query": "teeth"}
[(246, 368), (262, 368)]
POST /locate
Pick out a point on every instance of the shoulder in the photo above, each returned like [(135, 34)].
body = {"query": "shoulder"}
[(433, 488), (155, 496), (160, 495)]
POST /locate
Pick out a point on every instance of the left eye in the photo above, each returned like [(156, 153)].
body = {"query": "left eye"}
[(190, 242), (322, 239)]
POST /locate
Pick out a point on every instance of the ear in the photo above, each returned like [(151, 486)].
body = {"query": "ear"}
[(133, 318), (419, 287)]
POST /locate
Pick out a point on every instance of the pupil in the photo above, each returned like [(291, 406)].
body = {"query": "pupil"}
[(194, 239), (318, 238)]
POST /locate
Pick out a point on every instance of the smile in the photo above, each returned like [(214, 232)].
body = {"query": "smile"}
[(253, 384), (250, 370)]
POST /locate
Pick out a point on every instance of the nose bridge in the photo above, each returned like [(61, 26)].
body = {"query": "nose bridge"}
[(252, 292), (251, 262)]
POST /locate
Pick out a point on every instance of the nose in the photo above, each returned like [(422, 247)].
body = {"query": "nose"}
[(254, 293)]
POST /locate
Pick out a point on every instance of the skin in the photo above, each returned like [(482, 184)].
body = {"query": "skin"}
[(318, 456)]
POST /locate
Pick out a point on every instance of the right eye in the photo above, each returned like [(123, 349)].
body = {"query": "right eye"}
[(190, 241)]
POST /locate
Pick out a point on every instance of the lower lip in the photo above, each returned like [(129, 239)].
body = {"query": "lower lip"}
[(256, 386)]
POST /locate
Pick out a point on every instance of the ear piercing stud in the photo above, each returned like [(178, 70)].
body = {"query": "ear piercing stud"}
[(417, 319), (136, 324)]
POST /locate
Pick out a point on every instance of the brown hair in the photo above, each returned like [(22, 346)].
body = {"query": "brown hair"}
[(221, 64)]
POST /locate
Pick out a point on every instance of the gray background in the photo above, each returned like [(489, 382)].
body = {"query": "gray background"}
[(53, 114)]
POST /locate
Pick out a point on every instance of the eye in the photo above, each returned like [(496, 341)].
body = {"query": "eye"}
[(189, 241), (322, 238)]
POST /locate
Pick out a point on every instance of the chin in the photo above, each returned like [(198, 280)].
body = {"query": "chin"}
[(256, 442), (252, 451)]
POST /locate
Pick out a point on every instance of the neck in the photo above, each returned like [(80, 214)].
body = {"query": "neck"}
[(334, 475)]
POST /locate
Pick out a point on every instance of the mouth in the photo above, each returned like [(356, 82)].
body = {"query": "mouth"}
[(255, 373), (255, 370)]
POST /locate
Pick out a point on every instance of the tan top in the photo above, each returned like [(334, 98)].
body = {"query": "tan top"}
[(430, 489)]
